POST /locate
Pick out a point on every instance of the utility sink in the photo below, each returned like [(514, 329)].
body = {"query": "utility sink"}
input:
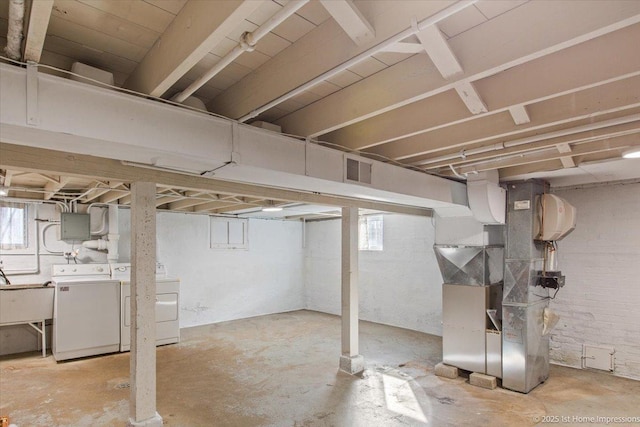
[(25, 303)]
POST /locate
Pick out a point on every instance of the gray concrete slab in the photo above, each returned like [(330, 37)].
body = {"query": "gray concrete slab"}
[(281, 370)]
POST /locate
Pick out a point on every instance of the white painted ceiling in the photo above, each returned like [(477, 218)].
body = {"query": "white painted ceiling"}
[(530, 88)]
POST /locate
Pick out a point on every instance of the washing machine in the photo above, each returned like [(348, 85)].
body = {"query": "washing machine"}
[(167, 305), (86, 311)]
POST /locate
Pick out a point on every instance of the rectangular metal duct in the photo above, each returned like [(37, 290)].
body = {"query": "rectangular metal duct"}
[(525, 351), (470, 265)]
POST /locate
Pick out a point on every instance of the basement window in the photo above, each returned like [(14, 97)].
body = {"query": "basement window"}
[(13, 226), (370, 233), (229, 233)]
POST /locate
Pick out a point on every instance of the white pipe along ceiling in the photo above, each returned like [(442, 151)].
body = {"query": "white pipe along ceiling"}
[(380, 47), (508, 144), (247, 43)]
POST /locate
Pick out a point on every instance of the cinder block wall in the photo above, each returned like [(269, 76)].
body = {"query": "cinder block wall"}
[(600, 304), (399, 286)]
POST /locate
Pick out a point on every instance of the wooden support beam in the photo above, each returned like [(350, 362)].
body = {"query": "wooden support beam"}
[(212, 206), (567, 161), (347, 15), (619, 98), (8, 176), (37, 159), (36, 32), (507, 89), (574, 139), (544, 155), (163, 200), (536, 39), (51, 188), (234, 208), (405, 47), (471, 98), (330, 46), (439, 51), (110, 194), (519, 114), (113, 195), (196, 30), (185, 203)]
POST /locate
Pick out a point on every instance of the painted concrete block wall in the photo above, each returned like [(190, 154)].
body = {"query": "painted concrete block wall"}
[(218, 285), (600, 303), (399, 286)]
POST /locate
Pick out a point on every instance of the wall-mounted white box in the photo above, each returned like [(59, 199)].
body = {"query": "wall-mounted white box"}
[(596, 357)]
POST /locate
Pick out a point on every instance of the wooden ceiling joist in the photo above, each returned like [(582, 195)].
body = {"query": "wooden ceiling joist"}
[(567, 161), (566, 111), (550, 143), (322, 49), (613, 147), (196, 30), (36, 29), (516, 86), (51, 188), (347, 15), (529, 21)]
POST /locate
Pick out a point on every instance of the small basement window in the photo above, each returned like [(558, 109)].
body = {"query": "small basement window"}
[(229, 233), (370, 233), (13, 226)]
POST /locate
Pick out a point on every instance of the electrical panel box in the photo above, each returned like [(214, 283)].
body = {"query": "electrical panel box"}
[(75, 227)]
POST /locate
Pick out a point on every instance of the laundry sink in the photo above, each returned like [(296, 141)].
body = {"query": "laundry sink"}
[(25, 303)]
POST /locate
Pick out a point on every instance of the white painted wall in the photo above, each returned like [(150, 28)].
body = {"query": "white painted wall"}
[(399, 286), (21, 338), (600, 303), (218, 285)]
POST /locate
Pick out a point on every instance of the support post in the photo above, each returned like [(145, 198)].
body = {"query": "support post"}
[(350, 361), (142, 403)]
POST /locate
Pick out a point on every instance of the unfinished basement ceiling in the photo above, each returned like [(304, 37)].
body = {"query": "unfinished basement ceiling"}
[(530, 88)]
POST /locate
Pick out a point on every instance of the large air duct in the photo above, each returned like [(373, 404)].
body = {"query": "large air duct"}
[(486, 198)]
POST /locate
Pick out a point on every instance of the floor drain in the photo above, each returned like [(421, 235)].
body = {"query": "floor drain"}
[(123, 385)]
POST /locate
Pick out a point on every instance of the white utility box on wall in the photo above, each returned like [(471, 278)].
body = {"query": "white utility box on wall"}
[(598, 357)]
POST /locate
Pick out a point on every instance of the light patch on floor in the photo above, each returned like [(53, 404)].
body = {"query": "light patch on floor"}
[(400, 397)]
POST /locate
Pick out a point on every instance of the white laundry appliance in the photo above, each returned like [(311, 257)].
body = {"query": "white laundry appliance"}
[(86, 311), (167, 305)]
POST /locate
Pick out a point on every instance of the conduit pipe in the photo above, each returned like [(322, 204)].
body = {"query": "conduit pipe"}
[(14, 32), (44, 238), (414, 29), (113, 236), (103, 219), (110, 244), (98, 244), (247, 43), (463, 154)]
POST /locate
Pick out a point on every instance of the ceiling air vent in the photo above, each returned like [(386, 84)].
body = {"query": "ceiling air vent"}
[(358, 171)]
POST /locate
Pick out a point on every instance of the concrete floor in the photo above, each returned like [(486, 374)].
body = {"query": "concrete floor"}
[(281, 370)]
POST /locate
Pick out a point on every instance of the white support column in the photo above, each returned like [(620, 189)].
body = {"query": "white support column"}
[(142, 403), (350, 361)]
